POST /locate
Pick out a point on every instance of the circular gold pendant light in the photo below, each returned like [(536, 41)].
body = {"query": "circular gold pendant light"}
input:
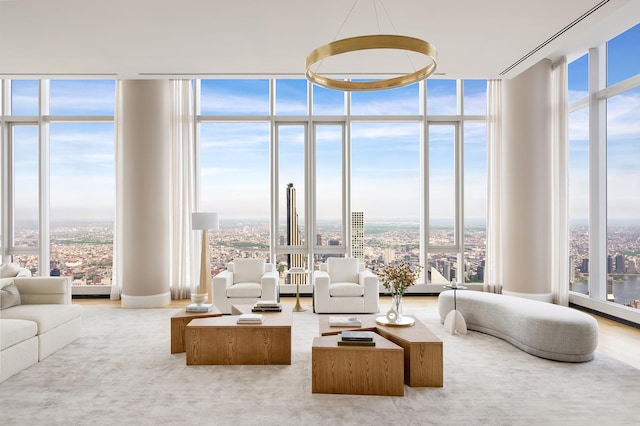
[(382, 41)]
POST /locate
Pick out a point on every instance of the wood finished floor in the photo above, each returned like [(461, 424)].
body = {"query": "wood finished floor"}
[(617, 340)]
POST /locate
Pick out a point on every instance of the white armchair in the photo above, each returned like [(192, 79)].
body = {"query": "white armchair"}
[(343, 285), (243, 283)]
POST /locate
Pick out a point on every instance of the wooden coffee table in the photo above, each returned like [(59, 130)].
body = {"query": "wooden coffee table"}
[(423, 359), (357, 370), (179, 322), (222, 341)]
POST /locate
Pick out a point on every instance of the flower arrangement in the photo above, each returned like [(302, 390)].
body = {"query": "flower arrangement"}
[(397, 278)]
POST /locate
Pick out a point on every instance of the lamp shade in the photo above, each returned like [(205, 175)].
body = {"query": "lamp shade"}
[(207, 221)]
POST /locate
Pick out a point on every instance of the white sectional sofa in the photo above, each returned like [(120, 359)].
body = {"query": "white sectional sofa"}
[(42, 322)]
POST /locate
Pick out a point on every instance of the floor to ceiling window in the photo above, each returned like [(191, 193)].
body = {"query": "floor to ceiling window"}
[(345, 184), (604, 152), (62, 182)]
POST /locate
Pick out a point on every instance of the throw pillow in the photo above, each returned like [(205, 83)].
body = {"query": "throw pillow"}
[(9, 296), (9, 270)]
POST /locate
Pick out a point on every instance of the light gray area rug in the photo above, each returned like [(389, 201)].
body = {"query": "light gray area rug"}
[(121, 372)]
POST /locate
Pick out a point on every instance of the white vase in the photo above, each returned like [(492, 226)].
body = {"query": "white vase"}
[(394, 315)]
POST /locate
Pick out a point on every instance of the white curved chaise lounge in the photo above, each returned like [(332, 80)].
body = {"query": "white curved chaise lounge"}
[(539, 328)]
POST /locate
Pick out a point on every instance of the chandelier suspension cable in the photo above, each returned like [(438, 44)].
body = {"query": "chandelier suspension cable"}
[(395, 31), (346, 18)]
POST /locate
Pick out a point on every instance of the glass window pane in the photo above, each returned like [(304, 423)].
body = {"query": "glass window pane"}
[(291, 172), (329, 230), (579, 201), (623, 56), (25, 186), (24, 97), (32, 263), (291, 97), (327, 101), (234, 97), (623, 199), (442, 187), (82, 97), (578, 78), (386, 189), (442, 97), (475, 97), (401, 101), (475, 200), (443, 267), (82, 211), (234, 177)]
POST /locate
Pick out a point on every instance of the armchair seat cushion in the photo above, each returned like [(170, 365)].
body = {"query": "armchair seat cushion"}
[(341, 289), (244, 290)]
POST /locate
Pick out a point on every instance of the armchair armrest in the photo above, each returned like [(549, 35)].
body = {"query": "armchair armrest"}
[(371, 283), (219, 285), (321, 281), (269, 283), (44, 290), (369, 280)]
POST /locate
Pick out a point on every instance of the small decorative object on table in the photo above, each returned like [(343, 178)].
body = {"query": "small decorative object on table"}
[(204, 307), (345, 322), (199, 298), (396, 279), (356, 338), (267, 306), (250, 319)]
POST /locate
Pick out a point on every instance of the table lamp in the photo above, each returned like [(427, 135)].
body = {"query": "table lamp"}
[(205, 222)]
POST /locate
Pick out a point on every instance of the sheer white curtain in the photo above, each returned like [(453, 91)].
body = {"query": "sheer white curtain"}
[(184, 244), (493, 263), (116, 273), (560, 184)]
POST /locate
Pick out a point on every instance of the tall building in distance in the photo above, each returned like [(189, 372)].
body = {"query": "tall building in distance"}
[(295, 260), (357, 235)]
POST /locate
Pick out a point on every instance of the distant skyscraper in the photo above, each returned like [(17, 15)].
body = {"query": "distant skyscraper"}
[(295, 260), (357, 235), (620, 268), (318, 239), (585, 266)]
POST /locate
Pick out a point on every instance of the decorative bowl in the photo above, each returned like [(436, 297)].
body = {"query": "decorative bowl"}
[(199, 298)]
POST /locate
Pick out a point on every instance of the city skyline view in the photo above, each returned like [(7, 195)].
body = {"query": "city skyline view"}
[(381, 159)]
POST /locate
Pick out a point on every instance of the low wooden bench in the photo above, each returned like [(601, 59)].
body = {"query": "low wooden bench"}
[(539, 328)]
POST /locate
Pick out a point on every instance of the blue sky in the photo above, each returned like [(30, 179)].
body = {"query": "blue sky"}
[(385, 171), (623, 132)]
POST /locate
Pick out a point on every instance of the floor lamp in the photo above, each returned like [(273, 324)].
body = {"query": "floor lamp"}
[(205, 222)]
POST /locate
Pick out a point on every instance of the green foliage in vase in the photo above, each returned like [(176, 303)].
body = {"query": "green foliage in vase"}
[(397, 278)]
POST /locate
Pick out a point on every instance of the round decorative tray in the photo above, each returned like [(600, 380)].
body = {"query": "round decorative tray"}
[(404, 322)]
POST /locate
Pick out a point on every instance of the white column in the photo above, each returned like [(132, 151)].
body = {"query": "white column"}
[(146, 151), (527, 240)]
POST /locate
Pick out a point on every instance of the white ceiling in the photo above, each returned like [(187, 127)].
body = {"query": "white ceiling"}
[(170, 38)]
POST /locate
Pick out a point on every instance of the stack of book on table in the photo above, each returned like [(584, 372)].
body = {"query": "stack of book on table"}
[(345, 322), (250, 319), (205, 307), (356, 338), (267, 306)]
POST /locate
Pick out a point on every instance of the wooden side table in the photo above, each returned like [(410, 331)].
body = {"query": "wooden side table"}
[(298, 307), (179, 324), (454, 322)]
